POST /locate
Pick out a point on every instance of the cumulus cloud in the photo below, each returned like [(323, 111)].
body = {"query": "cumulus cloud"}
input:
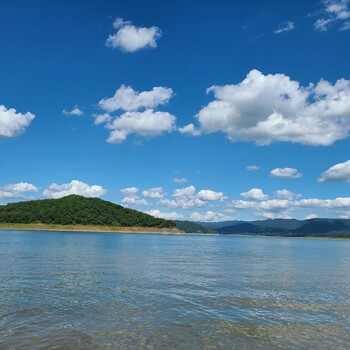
[(268, 108), (17, 190), (288, 173), (252, 168), (145, 123), (209, 195), (182, 202), (168, 216), (128, 99), (74, 111), (190, 130), (337, 173), (334, 11), (184, 192), (74, 187), (154, 192), (285, 194), (129, 191), (148, 123), (285, 27), (102, 118), (178, 180), (131, 38), (255, 193), (13, 123), (210, 216), (185, 198), (133, 201), (242, 204)]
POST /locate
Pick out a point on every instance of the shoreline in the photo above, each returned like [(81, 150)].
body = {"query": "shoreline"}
[(88, 228)]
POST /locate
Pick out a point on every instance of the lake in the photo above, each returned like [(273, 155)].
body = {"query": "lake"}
[(70, 290)]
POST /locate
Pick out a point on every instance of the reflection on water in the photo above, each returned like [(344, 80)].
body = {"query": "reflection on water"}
[(123, 291)]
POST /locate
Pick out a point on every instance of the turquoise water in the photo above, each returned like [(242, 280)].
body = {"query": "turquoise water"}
[(136, 291)]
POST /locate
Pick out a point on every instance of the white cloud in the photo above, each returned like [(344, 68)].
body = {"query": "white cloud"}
[(17, 190), (13, 123), (275, 205), (270, 215), (337, 173), (128, 99), (285, 194), (337, 203), (133, 201), (252, 168), (75, 111), (190, 130), (210, 216), (74, 187), (184, 192), (130, 38), (145, 123), (154, 192), (288, 173), (334, 11), (285, 27), (129, 191), (180, 180), (255, 193), (311, 216), (102, 118), (209, 195), (268, 108), (148, 123), (182, 202), (168, 216), (241, 204)]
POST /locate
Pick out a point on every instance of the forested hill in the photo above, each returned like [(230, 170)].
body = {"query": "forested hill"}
[(77, 210)]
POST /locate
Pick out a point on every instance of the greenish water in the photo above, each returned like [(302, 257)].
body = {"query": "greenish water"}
[(132, 291)]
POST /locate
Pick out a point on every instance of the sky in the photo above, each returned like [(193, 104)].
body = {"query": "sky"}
[(192, 110)]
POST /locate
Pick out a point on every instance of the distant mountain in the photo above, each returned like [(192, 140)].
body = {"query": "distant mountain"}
[(192, 227), (284, 227), (77, 210)]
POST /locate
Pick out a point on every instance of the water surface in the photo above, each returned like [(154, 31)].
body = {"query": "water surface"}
[(135, 291)]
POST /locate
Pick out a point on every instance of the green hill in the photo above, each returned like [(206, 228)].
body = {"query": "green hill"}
[(77, 210)]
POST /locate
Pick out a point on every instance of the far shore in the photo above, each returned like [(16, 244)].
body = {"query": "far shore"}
[(88, 228)]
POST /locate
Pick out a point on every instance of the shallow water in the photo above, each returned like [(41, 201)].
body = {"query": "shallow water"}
[(135, 291)]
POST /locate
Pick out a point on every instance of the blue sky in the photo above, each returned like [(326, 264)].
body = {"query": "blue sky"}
[(162, 106)]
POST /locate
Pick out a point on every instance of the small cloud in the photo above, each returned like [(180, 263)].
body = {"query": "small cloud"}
[(13, 123), (181, 180), (285, 27), (255, 193), (285, 194), (75, 111), (210, 216), (252, 168), (154, 192), (130, 38), (133, 201), (334, 11), (17, 190), (168, 216), (129, 191), (209, 195), (337, 173), (190, 130), (74, 187), (287, 173), (184, 192), (311, 216)]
